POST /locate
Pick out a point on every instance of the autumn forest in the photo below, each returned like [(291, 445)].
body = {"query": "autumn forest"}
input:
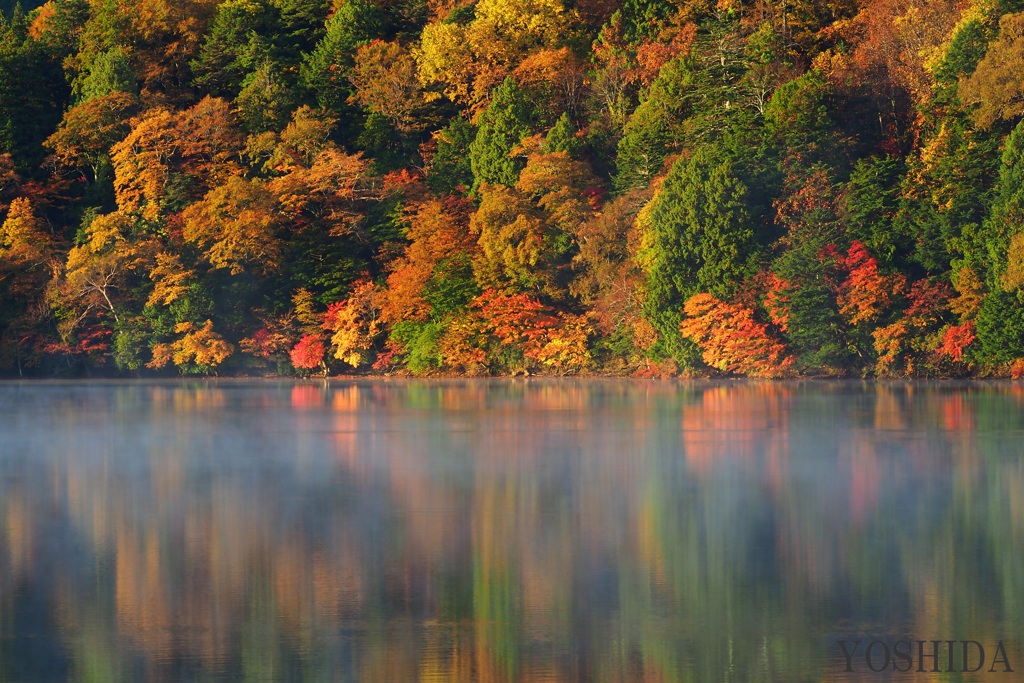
[(767, 188)]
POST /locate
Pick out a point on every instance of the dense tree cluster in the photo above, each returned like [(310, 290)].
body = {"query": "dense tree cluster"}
[(651, 187)]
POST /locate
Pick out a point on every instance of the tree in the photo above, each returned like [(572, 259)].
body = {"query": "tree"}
[(995, 84), (236, 224), (652, 132), (171, 158), (499, 332), (28, 261), (526, 233), (165, 35), (731, 340), (301, 142), (90, 129), (33, 93), (1000, 327), (499, 131), (111, 72), (555, 80), (865, 294), (450, 167), (324, 71), (697, 237), (467, 61), (23, 241), (642, 18), (308, 353), (234, 45), (1006, 219), (97, 270), (871, 204), (910, 344), (384, 77), (58, 25), (355, 324), (198, 351), (797, 117), (514, 251), (433, 276), (265, 100), (809, 266)]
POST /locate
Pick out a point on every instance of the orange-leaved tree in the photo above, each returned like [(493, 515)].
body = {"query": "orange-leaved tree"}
[(731, 340)]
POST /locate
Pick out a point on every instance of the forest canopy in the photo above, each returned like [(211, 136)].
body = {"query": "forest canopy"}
[(506, 187)]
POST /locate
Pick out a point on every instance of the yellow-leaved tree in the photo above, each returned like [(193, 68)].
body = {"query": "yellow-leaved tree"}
[(235, 225), (198, 351), (467, 61), (356, 324)]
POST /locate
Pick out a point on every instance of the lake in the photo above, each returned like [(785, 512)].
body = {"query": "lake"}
[(591, 530)]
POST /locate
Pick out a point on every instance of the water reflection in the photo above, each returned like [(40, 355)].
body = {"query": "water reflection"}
[(501, 531)]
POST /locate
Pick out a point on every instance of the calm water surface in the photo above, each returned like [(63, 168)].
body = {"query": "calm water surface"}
[(505, 531)]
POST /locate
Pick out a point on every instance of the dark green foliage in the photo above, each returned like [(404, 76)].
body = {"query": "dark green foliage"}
[(652, 132), (33, 94), (642, 18), (1000, 326), (965, 51), (797, 116), (110, 72), (302, 27), (1007, 217), (561, 137), (390, 148), (238, 42), (265, 102), (501, 128), (245, 35), (951, 193), (872, 201), (816, 330), (451, 286), (323, 70), (699, 237), (461, 15), (451, 167)]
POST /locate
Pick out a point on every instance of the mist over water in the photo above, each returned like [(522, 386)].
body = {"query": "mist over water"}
[(503, 530)]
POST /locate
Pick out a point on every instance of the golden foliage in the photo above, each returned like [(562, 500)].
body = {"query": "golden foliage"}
[(438, 230), (566, 350), (200, 346), (88, 130), (236, 224), (386, 83), (971, 293), (996, 85), (468, 61), (170, 280), (142, 163), (330, 191), (202, 142), (22, 240), (511, 240), (1013, 278), (356, 324), (98, 266)]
